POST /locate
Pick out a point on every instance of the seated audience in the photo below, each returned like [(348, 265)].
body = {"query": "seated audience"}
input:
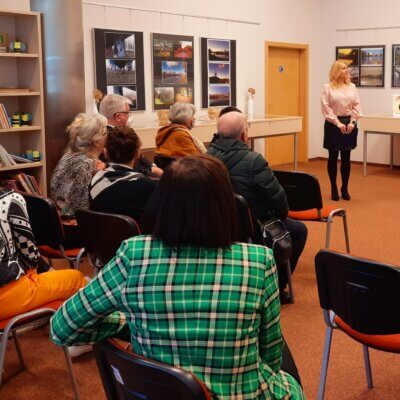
[(175, 139), (116, 109), (22, 288), (119, 189), (254, 180), (189, 295), (69, 186)]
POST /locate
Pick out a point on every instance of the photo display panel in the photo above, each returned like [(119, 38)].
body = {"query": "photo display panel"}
[(173, 72), (366, 64), (119, 64), (218, 72), (396, 65)]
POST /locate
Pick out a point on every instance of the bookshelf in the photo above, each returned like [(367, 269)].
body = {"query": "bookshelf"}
[(21, 90)]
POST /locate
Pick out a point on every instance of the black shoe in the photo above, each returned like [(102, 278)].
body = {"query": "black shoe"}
[(345, 194), (284, 297), (335, 194)]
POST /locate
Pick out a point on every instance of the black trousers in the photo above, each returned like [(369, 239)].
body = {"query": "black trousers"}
[(288, 364)]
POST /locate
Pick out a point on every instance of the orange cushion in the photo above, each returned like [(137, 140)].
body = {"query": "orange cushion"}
[(50, 252), (312, 214), (389, 343), (54, 305)]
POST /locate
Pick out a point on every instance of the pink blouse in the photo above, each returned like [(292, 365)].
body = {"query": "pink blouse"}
[(340, 102)]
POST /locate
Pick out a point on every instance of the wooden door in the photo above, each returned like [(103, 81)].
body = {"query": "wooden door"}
[(286, 80)]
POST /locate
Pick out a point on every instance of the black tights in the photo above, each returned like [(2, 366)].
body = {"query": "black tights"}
[(344, 167)]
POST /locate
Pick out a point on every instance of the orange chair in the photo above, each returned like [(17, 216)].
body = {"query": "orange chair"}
[(48, 231), (128, 376), (10, 326), (361, 298), (305, 202)]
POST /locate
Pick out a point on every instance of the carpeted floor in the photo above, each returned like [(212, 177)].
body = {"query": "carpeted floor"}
[(374, 214)]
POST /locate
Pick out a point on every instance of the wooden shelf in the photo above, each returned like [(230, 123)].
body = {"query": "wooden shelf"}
[(27, 128), (15, 94), (19, 55), (22, 166)]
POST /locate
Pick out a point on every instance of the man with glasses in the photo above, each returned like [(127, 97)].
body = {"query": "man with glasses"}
[(116, 109)]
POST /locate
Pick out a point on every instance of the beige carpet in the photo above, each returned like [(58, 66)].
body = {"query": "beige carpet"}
[(374, 215)]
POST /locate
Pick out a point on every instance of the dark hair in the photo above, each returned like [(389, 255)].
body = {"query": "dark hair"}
[(228, 109), (122, 144), (193, 205)]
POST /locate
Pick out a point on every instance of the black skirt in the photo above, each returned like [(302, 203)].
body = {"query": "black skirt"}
[(336, 140)]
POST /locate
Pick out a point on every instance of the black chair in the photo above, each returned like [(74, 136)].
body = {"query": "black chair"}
[(127, 376), (163, 161), (247, 234), (305, 201), (361, 298), (48, 230), (102, 234)]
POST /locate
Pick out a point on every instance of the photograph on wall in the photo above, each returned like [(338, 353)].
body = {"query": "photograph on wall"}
[(173, 70), (366, 64), (396, 65), (119, 65), (218, 72), (396, 105)]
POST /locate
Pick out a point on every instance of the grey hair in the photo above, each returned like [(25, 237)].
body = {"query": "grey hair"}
[(85, 130), (231, 125), (181, 112), (113, 103)]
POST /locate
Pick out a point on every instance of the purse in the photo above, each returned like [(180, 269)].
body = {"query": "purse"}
[(277, 237)]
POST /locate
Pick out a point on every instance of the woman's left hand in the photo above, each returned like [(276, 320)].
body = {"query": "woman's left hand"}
[(350, 128)]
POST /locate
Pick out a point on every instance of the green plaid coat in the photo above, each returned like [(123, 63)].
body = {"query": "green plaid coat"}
[(213, 312)]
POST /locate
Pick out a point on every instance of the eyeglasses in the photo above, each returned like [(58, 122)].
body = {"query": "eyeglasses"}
[(123, 112)]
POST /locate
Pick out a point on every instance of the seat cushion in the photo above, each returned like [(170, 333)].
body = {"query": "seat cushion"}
[(312, 214), (54, 305), (389, 343), (50, 252)]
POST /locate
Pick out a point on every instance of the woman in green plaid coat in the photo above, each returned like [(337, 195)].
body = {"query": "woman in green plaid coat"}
[(189, 294)]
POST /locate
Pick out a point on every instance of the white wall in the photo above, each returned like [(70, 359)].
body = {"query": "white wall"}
[(15, 5), (344, 14)]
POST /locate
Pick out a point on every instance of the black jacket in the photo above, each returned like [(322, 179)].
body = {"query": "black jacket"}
[(251, 177)]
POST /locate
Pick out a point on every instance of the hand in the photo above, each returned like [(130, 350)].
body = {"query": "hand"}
[(156, 172), (350, 128), (342, 127)]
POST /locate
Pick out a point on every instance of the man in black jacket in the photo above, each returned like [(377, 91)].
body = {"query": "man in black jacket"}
[(254, 180)]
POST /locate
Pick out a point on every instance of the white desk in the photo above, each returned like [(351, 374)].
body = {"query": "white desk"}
[(274, 125), (379, 125)]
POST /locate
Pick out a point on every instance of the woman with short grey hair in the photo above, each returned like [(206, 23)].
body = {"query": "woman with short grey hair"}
[(175, 139)]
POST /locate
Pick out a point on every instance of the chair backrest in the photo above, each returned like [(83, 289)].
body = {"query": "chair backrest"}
[(102, 233), (302, 190), (245, 228), (363, 293), (45, 220), (127, 376), (163, 161)]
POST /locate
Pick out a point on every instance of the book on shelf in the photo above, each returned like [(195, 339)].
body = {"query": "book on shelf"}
[(5, 159), (19, 159), (9, 184), (4, 120), (27, 183)]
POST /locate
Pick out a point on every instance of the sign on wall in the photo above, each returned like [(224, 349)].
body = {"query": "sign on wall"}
[(173, 75), (218, 72), (119, 64)]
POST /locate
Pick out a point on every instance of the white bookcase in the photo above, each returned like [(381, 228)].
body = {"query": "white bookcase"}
[(23, 71)]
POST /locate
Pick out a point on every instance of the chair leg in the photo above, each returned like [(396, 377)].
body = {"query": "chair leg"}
[(3, 348), (71, 373), (346, 233), (328, 234), (79, 257), (367, 364), (290, 282), (325, 362), (18, 348)]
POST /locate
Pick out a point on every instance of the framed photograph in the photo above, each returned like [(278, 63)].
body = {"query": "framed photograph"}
[(218, 72), (396, 105), (396, 65), (119, 65), (366, 64), (173, 70)]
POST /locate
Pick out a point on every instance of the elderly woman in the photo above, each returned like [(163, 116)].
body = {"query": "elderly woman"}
[(69, 186), (189, 294), (176, 140)]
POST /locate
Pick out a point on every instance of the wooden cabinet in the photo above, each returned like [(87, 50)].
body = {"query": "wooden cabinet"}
[(23, 71)]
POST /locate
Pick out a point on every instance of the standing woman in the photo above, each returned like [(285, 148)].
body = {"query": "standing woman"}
[(341, 109)]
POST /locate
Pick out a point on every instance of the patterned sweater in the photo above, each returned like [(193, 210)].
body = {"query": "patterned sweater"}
[(18, 251), (213, 312)]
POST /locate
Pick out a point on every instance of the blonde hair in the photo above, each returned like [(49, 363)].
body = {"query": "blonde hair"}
[(334, 74), (84, 131)]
